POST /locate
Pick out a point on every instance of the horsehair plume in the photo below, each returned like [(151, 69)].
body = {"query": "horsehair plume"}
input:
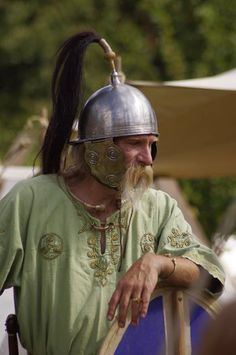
[(66, 98)]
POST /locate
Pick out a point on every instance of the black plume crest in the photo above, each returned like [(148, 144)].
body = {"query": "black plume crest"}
[(66, 98)]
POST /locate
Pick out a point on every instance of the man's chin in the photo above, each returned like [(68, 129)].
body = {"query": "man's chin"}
[(136, 181)]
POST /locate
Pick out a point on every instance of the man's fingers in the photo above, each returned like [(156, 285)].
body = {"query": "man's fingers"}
[(139, 306), (123, 309), (114, 301), (134, 289), (145, 303), (136, 305)]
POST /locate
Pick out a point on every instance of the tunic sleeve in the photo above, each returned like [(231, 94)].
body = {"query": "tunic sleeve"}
[(14, 212), (176, 238)]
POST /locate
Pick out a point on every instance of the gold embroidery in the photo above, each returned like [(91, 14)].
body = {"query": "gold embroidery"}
[(86, 225), (179, 240), (50, 246), (147, 243), (104, 264)]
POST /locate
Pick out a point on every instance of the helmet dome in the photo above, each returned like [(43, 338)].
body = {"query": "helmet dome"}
[(116, 110)]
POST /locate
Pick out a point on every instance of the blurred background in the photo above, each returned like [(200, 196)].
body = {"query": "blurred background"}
[(158, 41)]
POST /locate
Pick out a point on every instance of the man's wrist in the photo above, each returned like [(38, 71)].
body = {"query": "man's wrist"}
[(166, 266)]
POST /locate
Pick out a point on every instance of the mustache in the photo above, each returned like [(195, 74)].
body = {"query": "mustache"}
[(137, 176), (136, 181)]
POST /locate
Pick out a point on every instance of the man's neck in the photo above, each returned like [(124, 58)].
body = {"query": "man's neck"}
[(91, 192)]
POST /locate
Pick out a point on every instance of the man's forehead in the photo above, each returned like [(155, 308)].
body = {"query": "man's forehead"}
[(141, 137)]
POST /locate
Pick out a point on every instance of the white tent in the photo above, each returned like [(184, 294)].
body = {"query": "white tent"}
[(197, 122), (224, 81), (11, 175)]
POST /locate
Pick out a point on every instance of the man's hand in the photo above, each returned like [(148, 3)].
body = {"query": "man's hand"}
[(135, 288), (137, 285)]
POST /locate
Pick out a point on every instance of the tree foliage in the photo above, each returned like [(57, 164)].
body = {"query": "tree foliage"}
[(210, 199), (158, 40)]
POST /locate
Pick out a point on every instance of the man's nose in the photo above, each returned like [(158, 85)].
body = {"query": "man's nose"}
[(145, 156)]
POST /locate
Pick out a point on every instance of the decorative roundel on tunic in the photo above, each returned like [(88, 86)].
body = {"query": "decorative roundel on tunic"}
[(50, 246)]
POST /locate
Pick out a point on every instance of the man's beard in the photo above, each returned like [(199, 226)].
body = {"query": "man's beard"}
[(136, 181)]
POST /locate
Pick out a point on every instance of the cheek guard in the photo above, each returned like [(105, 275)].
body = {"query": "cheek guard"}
[(105, 161)]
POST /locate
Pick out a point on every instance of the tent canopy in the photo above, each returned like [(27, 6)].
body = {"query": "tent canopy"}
[(197, 123)]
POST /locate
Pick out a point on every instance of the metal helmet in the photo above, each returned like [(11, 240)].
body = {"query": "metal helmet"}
[(116, 110)]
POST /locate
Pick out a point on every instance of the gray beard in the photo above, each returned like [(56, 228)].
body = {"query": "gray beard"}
[(135, 183)]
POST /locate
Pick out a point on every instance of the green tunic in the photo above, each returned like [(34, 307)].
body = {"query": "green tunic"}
[(50, 252)]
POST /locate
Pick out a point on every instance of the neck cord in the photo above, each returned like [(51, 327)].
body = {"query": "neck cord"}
[(125, 239), (100, 207)]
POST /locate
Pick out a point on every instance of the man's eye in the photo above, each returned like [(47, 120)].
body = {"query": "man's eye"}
[(133, 143)]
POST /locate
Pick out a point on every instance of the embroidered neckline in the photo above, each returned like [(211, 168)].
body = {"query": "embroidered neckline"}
[(103, 264)]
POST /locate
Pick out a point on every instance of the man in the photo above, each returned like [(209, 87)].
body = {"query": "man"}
[(88, 238)]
